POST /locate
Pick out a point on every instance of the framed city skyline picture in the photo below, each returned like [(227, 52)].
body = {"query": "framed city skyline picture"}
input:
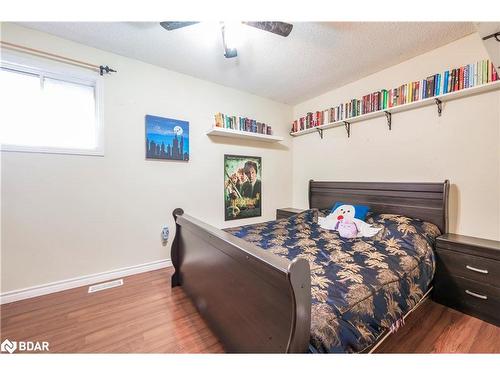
[(167, 139), (242, 187)]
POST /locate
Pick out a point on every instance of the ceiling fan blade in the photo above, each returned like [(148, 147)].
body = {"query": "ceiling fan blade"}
[(275, 27), (172, 25)]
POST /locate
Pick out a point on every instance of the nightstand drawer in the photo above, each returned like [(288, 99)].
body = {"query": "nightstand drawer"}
[(471, 267), (282, 213), (472, 297)]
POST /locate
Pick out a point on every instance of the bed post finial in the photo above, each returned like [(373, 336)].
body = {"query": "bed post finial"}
[(174, 251), (178, 212), (446, 193)]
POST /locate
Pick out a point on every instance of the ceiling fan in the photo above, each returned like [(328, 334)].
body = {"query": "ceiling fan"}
[(279, 28)]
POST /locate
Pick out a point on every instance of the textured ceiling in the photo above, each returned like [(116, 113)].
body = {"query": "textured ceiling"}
[(315, 58)]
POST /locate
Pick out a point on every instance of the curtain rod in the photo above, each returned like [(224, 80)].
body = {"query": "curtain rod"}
[(52, 56)]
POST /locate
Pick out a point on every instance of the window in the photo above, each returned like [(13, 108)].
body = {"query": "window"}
[(44, 110)]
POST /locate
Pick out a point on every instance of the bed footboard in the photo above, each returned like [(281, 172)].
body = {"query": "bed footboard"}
[(254, 301)]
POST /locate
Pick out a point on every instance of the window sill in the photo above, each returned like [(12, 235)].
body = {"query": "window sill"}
[(52, 150)]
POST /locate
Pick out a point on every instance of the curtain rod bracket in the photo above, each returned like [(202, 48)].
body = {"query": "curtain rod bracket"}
[(105, 70), (494, 35)]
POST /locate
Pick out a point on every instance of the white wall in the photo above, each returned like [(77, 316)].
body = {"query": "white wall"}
[(66, 216), (462, 145)]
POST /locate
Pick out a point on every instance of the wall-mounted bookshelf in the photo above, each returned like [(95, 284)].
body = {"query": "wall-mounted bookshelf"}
[(231, 133), (435, 100)]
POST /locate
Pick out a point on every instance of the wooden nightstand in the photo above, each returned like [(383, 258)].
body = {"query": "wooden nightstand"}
[(468, 275), (282, 213)]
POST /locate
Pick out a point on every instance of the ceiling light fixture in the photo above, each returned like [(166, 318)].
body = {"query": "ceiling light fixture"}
[(229, 40), (231, 31)]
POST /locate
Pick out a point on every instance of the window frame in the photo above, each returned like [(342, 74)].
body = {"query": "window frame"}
[(62, 72)]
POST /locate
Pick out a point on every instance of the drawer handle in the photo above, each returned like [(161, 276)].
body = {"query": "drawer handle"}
[(476, 269), (475, 294)]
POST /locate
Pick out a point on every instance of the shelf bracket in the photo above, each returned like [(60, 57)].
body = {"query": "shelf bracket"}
[(320, 132), (348, 128), (439, 104), (388, 115)]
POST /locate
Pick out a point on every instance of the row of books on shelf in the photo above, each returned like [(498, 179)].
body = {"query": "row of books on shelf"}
[(242, 124), (467, 76)]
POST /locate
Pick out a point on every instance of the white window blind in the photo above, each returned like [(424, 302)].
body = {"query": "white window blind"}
[(49, 111)]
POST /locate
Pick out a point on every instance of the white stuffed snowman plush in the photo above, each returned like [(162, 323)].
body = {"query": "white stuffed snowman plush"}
[(343, 221)]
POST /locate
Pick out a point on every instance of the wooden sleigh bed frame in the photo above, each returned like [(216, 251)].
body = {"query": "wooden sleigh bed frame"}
[(258, 302)]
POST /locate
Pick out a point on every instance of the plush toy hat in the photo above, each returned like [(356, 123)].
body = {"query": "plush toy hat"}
[(342, 218)]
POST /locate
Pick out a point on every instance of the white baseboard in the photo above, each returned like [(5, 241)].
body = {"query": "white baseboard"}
[(40, 290)]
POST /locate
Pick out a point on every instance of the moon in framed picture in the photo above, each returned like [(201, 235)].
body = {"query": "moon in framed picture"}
[(178, 130)]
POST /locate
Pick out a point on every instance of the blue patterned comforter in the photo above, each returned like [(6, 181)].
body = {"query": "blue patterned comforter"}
[(360, 287)]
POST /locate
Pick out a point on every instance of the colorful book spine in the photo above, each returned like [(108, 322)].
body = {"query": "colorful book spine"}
[(445, 82), (484, 73), (488, 72), (471, 75)]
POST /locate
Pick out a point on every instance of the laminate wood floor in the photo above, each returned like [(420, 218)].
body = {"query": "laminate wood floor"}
[(434, 328), (146, 316)]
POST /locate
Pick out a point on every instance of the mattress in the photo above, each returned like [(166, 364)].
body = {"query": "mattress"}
[(360, 287)]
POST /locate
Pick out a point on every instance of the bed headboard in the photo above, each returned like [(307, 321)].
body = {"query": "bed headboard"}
[(421, 200)]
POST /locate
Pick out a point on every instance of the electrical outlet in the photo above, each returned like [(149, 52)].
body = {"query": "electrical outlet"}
[(164, 235)]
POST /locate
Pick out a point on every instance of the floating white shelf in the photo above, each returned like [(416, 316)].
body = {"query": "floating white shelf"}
[(244, 135), (403, 107)]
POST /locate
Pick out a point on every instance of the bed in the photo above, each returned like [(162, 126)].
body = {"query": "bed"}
[(290, 286)]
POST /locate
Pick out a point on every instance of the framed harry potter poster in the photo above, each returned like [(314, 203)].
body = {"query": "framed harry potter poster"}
[(242, 186)]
